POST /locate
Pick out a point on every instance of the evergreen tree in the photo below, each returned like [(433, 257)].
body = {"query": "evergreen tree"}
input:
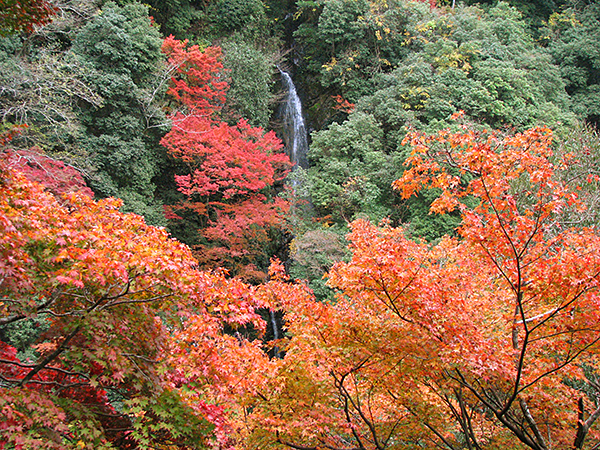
[(120, 50), (574, 43)]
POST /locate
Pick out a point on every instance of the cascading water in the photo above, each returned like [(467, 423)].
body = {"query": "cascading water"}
[(296, 145), (276, 336), (294, 130), (274, 325)]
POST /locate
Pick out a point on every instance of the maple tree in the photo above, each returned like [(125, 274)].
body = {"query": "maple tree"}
[(487, 340), (226, 373), (24, 15), (234, 373), (103, 293), (54, 174), (97, 279), (229, 168)]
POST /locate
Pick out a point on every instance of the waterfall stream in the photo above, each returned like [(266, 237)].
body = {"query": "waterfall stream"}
[(274, 325), (294, 130), (296, 146), (276, 335)]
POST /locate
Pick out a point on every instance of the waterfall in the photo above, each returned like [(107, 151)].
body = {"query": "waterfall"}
[(296, 146), (294, 130), (276, 352), (274, 324)]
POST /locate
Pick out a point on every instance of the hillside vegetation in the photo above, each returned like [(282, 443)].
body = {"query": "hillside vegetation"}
[(169, 279)]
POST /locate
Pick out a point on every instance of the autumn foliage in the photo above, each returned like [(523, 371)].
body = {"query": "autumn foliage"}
[(196, 85), (229, 168), (107, 293), (55, 175), (24, 15), (114, 306), (474, 328), (486, 340)]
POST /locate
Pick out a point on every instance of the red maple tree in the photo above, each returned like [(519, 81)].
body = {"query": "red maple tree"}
[(58, 177), (230, 169), (24, 15)]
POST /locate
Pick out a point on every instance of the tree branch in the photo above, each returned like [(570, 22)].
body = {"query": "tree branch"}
[(50, 357), (10, 319)]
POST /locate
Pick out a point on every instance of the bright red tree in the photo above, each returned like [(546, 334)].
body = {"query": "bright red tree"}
[(230, 168), (197, 85)]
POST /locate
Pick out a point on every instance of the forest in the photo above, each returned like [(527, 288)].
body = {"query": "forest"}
[(424, 274)]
